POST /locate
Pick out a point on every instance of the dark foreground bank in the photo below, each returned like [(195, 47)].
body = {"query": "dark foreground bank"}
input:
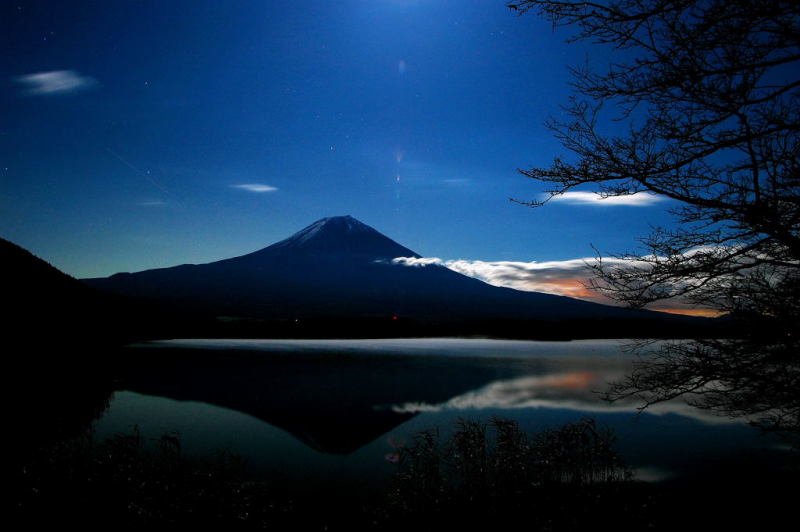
[(487, 474)]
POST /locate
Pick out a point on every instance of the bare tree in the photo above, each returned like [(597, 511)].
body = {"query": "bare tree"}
[(708, 92)]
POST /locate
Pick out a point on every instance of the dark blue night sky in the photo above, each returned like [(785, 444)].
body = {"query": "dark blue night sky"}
[(141, 134)]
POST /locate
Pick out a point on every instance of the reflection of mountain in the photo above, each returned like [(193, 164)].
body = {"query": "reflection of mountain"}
[(339, 267), (331, 401)]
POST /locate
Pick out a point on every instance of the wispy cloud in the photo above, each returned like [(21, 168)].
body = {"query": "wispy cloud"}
[(255, 187), (55, 82), (152, 203), (640, 199)]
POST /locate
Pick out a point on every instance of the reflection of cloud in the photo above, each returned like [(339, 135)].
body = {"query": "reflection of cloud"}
[(255, 187), (640, 199), (572, 391), (571, 381), (55, 82), (522, 392)]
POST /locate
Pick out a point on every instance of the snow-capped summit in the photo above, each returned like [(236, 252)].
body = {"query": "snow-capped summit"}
[(343, 236)]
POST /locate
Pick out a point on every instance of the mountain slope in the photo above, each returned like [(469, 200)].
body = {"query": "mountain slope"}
[(340, 267), (46, 310), (41, 301)]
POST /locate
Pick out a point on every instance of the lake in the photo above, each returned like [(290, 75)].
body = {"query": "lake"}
[(310, 413)]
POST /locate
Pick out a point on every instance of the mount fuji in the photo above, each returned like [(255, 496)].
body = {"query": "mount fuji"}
[(340, 268)]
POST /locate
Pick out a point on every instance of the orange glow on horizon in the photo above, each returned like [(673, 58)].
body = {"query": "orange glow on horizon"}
[(567, 287), (570, 381), (574, 288), (701, 312)]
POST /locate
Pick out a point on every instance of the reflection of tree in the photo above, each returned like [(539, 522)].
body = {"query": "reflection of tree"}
[(753, 378), (710, 93)]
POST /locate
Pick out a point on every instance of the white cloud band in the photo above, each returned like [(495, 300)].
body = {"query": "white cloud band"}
[(553, 277), (564, 278)]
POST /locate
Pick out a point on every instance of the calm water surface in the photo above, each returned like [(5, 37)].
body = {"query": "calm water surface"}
[(310, 412)]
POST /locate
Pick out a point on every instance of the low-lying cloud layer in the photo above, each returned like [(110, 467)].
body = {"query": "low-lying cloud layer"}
[(565, 278), (555, 277)]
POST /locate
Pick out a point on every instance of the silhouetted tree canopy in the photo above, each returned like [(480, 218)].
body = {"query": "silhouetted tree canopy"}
[(706, 95)]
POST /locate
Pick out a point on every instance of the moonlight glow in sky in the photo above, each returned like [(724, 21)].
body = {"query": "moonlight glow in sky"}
[(142, 134)]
